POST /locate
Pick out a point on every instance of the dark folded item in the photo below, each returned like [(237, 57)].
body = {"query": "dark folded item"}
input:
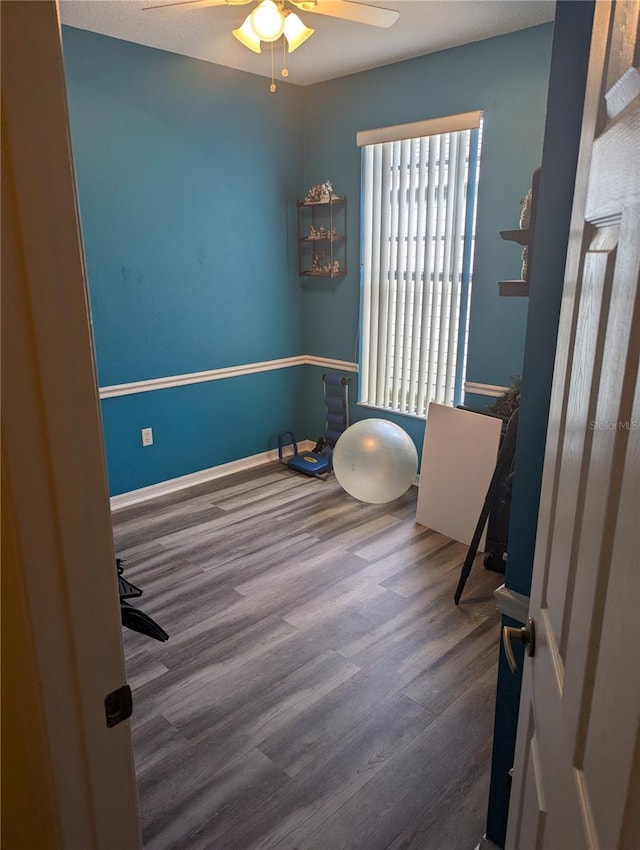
[(138, 621)]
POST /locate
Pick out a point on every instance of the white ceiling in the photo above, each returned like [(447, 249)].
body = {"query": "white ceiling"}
[(337, 47)]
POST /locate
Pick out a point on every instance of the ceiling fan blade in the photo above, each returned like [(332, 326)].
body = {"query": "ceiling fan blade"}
[(196, 4), (375, 16)]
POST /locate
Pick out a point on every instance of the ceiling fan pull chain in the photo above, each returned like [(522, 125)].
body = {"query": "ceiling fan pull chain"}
[(272, 87), (285, 70)]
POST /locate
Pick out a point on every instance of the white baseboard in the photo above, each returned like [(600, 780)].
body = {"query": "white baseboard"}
[(172, 485), (135, 497)]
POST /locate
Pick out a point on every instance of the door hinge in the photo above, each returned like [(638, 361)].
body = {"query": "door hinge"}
[(118, 705)]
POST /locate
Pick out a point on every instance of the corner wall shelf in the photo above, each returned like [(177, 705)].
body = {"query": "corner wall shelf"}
[(322, 238)]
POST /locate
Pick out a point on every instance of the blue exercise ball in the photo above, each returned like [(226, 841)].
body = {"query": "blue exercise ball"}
[(375, 461)]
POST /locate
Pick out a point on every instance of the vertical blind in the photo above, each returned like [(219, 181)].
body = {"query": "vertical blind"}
[(417, 240)]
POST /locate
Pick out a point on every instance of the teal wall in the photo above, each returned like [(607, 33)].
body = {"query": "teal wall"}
[(187, 176), (186, 173), (198, 426)]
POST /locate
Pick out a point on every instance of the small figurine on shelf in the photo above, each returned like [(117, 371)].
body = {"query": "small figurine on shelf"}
[(315, 264), (333, 233), (322, 233), (320, 193), (525, 213), (313, 233), (525, 262), (313, 195), (336, 267)]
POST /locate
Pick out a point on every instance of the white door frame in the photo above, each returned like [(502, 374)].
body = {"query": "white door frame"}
[(52, 447)]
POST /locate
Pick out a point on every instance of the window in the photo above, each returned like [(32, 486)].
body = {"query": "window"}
[(418, 222)]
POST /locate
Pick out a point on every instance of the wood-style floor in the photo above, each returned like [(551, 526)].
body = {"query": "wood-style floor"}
[(320, 690)]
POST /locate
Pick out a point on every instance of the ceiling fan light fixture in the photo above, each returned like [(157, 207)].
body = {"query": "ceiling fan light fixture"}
[(295, 31), (246, 35), (267, 21)]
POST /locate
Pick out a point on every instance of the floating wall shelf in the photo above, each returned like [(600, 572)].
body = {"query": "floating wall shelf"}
[(524, 237)]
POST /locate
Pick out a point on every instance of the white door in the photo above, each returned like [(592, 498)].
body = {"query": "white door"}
[(61, 549), (577, 768)]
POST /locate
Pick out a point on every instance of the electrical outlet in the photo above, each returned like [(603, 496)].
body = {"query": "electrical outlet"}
[(147, 436)]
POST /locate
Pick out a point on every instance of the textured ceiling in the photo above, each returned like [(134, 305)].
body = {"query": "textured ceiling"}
[(337, 47)]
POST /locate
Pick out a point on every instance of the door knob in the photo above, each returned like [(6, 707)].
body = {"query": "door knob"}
[(525, 635)]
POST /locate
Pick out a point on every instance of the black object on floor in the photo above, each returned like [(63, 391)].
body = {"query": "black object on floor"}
[(497, 500), (138, 621), (131, 617), (127, 590)]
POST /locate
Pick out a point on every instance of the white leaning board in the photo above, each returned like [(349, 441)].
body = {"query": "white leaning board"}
[(458, 459)]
